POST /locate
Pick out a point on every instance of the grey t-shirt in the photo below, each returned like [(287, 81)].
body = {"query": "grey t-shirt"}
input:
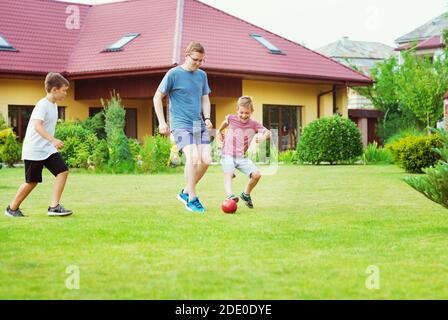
[(35, 147), (185, 90)]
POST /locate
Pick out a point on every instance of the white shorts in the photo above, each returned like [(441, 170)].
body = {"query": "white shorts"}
[(245, 165)]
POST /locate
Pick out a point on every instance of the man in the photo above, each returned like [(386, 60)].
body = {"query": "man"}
[(188, 91)]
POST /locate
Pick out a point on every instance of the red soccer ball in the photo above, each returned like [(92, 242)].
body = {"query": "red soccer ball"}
[(229, 206)]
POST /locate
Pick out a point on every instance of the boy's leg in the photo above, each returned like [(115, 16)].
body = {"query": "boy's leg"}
[(254, 178), (22, 193), (228, 183), (59, 169), (58, 188), (33, 175)]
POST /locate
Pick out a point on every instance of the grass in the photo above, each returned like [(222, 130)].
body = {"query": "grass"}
[(313, 234)]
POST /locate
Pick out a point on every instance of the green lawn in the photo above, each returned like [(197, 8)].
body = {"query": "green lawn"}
[(312, 235)]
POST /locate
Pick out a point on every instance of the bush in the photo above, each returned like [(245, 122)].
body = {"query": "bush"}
[(396, 124), (413, 153), (333, 139), (120, 157), (100, 156), (287, 157), (4, 134), (406, 133), (155, 154), (11, 151), (96, 125), (374, 154), (79, 143), (434, 185)]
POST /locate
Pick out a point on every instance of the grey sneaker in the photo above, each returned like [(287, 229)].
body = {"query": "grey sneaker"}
[(59, 211), (13, 213), (233, 197)]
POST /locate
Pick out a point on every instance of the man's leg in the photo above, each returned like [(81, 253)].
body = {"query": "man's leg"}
[(58, 188), (192, 158), (206, 160), (22, 193)]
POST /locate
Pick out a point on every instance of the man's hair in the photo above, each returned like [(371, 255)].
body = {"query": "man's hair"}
[(194, 47), (246, 102), (55, 80)]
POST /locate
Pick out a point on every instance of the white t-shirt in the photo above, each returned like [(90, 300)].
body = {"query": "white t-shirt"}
[(35, 147)]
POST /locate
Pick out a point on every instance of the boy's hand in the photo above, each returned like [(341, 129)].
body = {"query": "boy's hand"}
[(208, 124), (221, 136), (57, 143)]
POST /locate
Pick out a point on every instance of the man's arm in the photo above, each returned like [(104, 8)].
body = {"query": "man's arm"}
[(39, 126), (206, 111), (158, 106)]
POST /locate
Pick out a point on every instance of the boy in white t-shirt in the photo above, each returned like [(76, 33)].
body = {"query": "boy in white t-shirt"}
[(40, 149)]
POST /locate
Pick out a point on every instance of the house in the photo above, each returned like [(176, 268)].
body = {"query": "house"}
[(128, 46), (427, 40), (362, 56)]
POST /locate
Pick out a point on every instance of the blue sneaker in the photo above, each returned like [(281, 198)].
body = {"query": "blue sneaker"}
[(195, 206), (183, 197)]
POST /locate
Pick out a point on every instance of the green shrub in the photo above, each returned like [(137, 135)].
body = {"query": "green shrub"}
[(288, 157), (415, 132), (120, 157), (413, 153), (434, 184), (4, 134), (332, 139), (96, 125), (155, 154), (100, 156), (135, 148), (79, 143), (11, 151), (374, 154)]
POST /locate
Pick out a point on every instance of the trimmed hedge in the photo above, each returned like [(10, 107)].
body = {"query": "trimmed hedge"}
[(333, 139)]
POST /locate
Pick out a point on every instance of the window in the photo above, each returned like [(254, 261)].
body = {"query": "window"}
[(19, 116), (287, 120), (118, 46), (5, 46), (272, 49)]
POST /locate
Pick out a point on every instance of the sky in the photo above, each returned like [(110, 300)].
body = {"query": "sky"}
[(319, 22)]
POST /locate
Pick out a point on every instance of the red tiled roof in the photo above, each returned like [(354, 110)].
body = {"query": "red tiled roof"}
[(229, 46), (37, 29), (431, 43), (165, 28)]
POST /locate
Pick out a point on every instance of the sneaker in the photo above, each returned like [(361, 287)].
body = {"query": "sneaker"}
[(13, 213), (58, 211), (183, 197), (233, 197), (195, 206), (247, 199)]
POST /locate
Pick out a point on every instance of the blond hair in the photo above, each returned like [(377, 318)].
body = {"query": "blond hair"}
[(245, 102), (55, 80), (194, 47)]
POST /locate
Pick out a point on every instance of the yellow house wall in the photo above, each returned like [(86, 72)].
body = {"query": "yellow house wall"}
[(293, 94), (29, 92)]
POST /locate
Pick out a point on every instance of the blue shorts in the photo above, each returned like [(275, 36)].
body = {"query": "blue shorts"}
[(185, 137)]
